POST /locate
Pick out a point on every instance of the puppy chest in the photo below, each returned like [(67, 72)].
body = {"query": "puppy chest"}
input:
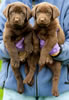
[(42, 34)]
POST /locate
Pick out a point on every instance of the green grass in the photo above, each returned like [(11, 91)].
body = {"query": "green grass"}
[(0, 64), (1, 90), (1, 94)]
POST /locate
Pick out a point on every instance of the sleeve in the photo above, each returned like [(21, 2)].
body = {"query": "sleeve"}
[(3, 52), (64, 55)]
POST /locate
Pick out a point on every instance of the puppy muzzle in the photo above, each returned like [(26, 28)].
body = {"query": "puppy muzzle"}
[(16, 20), (43, 22)]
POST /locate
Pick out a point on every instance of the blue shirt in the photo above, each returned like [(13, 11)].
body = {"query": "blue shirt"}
[(43, 80)]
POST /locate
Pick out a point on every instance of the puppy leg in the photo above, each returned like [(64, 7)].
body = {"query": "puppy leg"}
[(28, 44), (60, 35), (30, 75), (20, 86), (44, 55), (36, 44), (56, 69), (13, 52), (27, 69)]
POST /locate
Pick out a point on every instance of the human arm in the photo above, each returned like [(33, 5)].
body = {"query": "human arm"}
[(3, 51)]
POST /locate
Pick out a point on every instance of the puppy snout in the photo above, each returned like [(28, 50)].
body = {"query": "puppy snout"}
[(42, 19), (16, 19)]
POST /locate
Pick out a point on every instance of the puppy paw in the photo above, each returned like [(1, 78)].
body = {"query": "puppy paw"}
[(45, 60), (42, 61), (22, 56), (55, 93), (21, 90), (31, 83), (20, 87), (15, 63), (48, 60), (28, 79)]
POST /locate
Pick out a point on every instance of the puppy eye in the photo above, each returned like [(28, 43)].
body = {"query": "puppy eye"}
[(48, 13), (38, 12), (12, 12), (23, 13)]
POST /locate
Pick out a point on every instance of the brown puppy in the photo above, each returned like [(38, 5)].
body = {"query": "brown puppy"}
[(46, 26), (17, 27)]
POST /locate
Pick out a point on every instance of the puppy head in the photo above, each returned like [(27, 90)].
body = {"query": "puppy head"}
[(17, 13), (44, 13)]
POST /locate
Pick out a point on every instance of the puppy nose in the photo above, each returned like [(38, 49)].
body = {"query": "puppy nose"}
[(42, 19), (16, 19)]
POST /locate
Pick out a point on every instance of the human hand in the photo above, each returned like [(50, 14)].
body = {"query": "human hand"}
[(55, 51)]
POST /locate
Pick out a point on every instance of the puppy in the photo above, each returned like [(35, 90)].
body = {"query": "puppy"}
[(16, 28), (47, 28)]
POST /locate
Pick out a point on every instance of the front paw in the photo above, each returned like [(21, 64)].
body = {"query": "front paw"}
[(42, 60), (45, 60), (29, 49), (23, 56), (29, 80), (15, 63), (49, 60)]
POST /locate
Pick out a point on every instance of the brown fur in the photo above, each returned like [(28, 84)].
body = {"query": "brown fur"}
[(46, 25), (16, 27)]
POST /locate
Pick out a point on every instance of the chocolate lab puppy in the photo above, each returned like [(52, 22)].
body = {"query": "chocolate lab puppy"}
[(16, 28), (47, 28)]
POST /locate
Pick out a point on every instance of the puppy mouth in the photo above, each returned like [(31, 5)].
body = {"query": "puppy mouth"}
[(43, 24), (18, 26), (17, 23)]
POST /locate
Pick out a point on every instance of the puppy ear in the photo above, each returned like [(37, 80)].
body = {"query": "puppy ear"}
[(34, 11), (56, 12), (6, 11), (28, 13)]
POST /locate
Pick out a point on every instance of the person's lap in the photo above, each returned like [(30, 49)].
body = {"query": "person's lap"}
[(12, 95), (64, 96)]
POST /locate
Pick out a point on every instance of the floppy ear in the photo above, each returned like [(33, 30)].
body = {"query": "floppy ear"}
[(34, 11), (56, 12), (28, 13), (6, 11)]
